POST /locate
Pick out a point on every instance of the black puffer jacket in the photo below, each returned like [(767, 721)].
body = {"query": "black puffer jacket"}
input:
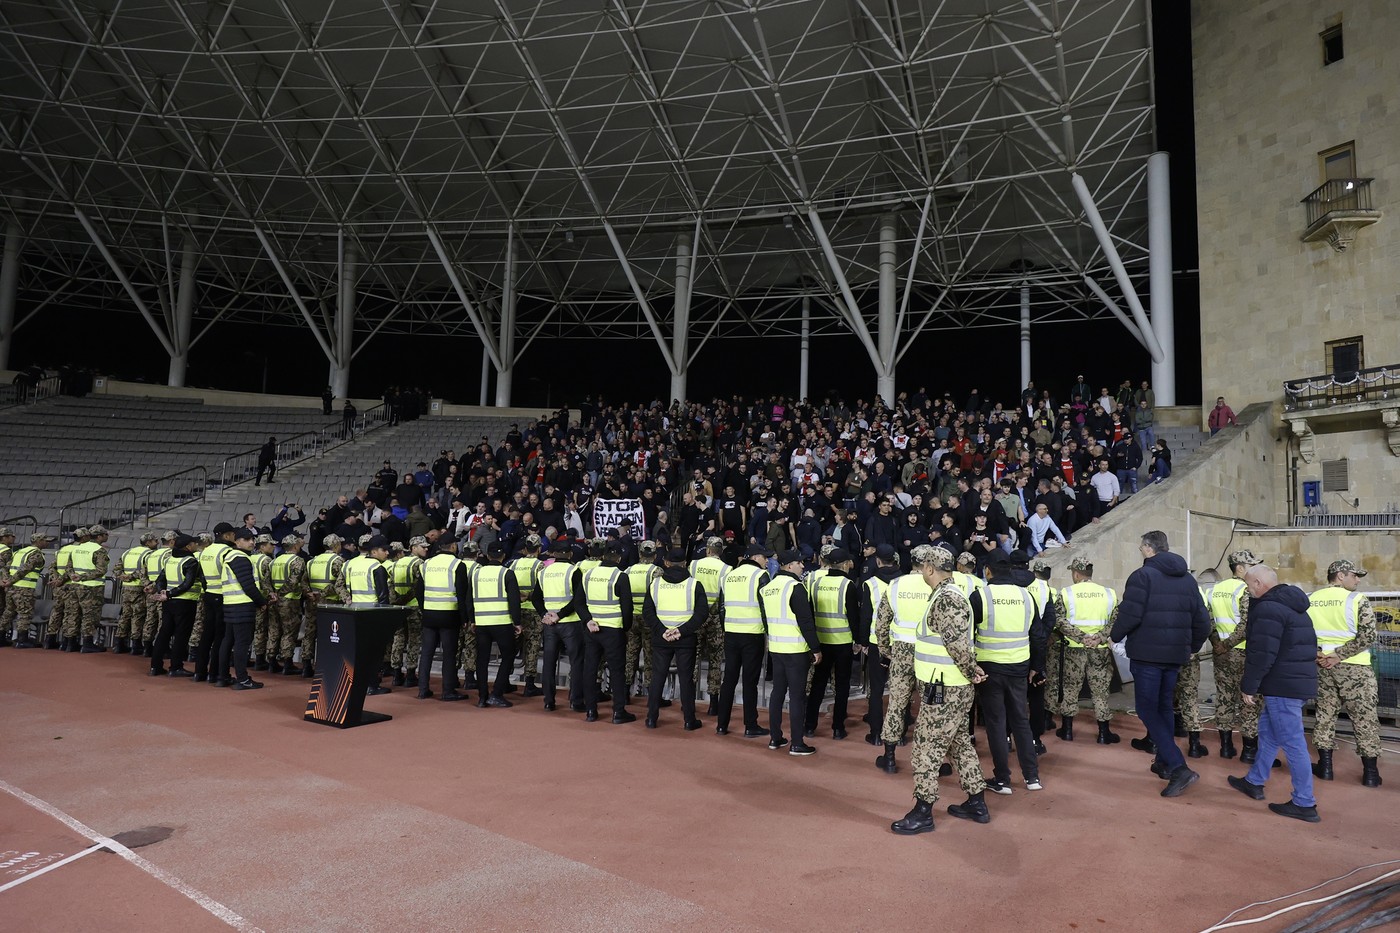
[(1280, 657), (1161, 612)]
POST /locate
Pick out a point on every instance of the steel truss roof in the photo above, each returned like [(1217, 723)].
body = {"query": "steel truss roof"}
[(770, 137)]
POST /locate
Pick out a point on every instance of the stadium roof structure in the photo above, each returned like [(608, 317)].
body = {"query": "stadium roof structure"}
[(676, 170)]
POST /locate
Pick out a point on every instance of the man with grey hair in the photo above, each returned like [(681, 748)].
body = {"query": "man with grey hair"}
[(1164, 621)]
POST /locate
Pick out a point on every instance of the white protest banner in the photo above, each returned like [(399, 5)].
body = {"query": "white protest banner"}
[(609, 513)]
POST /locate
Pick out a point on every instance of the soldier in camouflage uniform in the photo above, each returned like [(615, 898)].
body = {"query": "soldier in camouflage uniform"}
[(90, 584), (640, 576), (197, 630), (289, 585), (131, 581), (21, 583), (7, 555), (945, 657), (527, 569), (408, 640), (1345, 623), (155, 571), (1187, 698), (708, 571), (1045, 699), (263, 546), (468, 551), (333, 560), (1089, 610), (1229, 609), (64, 599), (897, 653)]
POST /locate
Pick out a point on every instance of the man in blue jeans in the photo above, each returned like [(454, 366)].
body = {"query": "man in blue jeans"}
[(1280, 672), (1162, 616)]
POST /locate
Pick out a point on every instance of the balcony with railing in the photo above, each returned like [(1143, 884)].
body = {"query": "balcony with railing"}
[(1337, 209), (1356, 395)]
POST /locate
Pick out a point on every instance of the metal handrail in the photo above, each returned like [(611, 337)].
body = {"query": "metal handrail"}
[(297, 442), (196, 491), (29, 520), (101, 519), (1338, 194)]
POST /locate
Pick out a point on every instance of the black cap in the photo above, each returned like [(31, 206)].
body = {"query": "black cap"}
[(790, 556), (615, 547), (376, 541), (676, 556), (884, 551), (495, 550), (242, 534), (447, 539), (1001, 559), (184, 541), (222, 528), (560, 547), (758, 550), (838, 556)]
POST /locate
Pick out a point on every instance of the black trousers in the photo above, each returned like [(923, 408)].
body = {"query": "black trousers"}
[(742, 652), (789, 683), (879, 676), (206, 653), (568, 638), (1002, 697), (608, 644), (446, 636), (177, 621), (269, 468), (662, 654), (503, 637), (839, 658), (238, 638), (1035, 696)]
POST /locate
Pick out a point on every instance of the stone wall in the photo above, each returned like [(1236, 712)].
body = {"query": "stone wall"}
[(1265, 108), (1302, 556), (1373, 472)]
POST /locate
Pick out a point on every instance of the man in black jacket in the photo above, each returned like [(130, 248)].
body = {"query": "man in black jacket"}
[(1280, 674), (1162, 616)]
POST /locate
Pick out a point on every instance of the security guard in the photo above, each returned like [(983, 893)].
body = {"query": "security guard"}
[(26, 569), (289, 584), (793, 647), (1186, 700), (709, 572), (674, 610), (242, 599), (366, 583), (1009, 643), (131, 578), (1088, 650), (408, 640), (155, 610), (561, 605), (212, 563), (263, 546), (608, 593), (7, 553), (835, 602), (444, 598), (905, 605), (873, 593), (1345, 623), (468, 552), (322, 571), (181, 586), (947, 672), (743, 639), (527, 569), (64, 596), (1229, 611), (639, 578), (90, 562), (495, 621), (1051, 608)]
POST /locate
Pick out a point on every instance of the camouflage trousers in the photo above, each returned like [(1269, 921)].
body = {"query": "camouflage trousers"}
[(901, 686), (1054, 647), (1351, 687), (1230, 711), (530, 641), (69, 612), (1097, 664), (308, 631), (408, 643), (133, 616), (942, 731), (196, 631), (1187, 698), (86, 608), (638, 646), (709, 648), (282, 629), (466, 656), (261, 623), (151, 624), (19, 611)]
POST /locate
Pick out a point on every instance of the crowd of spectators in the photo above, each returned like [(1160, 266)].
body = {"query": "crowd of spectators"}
[(970, 474)]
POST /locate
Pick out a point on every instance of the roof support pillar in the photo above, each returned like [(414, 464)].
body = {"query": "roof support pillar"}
[(344, 336), (680, 324), (804, 366), (9, 288), (507, 325), (889, 260), (1159, 252), (183, 323), (1025, 335), (1115, 262)]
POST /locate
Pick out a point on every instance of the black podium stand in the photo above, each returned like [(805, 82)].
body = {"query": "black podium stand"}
[(350, 643)]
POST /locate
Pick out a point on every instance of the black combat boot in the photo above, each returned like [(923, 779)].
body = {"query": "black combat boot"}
[(261, 663), (1370, 773), (1106, 736), (1194, 748), (973, 808), (531, 690), (1066, 731), (51, 642), (1250, 750), (90, 647), (1323, 769), (274, 666), (886, 761), (119, 646), (1227, 744), (917, 820)]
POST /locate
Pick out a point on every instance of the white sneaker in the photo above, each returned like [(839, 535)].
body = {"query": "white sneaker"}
[(1034, 785), (999, 787)]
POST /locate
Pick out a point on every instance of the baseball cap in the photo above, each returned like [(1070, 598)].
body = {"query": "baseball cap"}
[(927, 555), (884, 551), (373, 542), (1246, 558), (222, 528), (647, 547), (615, 547), (966, 560), (145, 535), (495, 550), (1082, 565), (789, 556), (331, 540), (417, 541), (264, 539), (1344, 566), (80, 532), (244, 534), (676, 556), (39, 536), (291, 540), (756, 550), (6, 532), (838, 555), (95, 530), (184, 541), (1039, 565)]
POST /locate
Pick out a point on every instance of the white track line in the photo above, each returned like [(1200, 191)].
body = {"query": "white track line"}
[(203, 900), (47, 868)]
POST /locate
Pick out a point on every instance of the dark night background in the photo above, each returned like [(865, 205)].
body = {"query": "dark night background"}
[(287, 359)]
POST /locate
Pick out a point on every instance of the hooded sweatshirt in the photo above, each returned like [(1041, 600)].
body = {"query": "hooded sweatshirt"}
[(1161, 613)]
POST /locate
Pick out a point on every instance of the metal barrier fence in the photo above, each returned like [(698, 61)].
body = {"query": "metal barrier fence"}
[(174, 490), (21, 521), (243, 466), (1385, 655), (110, 509), (24, 392)]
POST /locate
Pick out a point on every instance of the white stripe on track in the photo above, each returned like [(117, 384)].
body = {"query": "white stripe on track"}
[(47, 868), (160, 874)]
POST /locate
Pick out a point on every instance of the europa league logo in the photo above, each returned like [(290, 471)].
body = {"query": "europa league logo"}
[(335, 628)]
